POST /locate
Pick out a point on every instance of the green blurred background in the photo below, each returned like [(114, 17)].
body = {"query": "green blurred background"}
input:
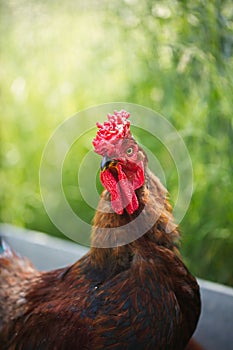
[(175, 57)]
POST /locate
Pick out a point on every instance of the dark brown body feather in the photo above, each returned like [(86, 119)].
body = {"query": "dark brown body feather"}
[(135, 296)]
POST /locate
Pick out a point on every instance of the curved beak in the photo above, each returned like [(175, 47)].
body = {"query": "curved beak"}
[(106, 161)]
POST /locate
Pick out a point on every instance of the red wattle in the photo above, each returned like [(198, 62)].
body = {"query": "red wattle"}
[(122, 187)]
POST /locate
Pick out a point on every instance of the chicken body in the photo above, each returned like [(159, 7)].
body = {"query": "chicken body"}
[(137, 296)]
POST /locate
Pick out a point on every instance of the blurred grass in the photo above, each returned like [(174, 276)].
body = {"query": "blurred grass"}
[(172, 56)]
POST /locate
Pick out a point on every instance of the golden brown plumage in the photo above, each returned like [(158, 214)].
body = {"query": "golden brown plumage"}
[(133, 296)]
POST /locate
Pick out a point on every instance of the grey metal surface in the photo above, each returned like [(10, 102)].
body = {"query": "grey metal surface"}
[(44, 251), (215, 328)]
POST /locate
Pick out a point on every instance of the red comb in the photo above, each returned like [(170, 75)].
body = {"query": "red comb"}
[(117, 127)]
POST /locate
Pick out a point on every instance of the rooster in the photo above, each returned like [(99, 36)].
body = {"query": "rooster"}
[(130, 291)]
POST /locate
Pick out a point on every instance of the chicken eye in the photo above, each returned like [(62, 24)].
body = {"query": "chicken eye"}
[(129, 151)]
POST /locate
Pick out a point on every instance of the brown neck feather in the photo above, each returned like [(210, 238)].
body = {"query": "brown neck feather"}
[(152, 222)]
